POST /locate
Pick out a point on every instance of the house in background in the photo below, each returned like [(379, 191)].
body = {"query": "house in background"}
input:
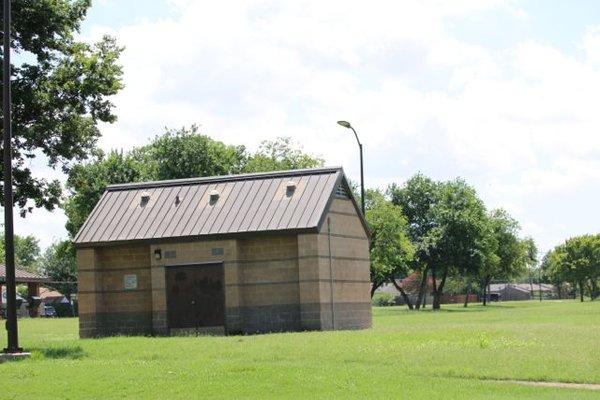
[(29, 306), (58, 302), (277, 251), (411, 285), (50, 296), (520, 291)]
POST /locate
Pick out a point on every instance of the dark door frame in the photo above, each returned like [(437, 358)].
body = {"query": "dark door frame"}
[(197, 265)]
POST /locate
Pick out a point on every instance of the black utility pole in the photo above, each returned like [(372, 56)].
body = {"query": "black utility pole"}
[(9, 245), (347, 124)]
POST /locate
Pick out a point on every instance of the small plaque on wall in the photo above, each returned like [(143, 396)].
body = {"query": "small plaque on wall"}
[(130, 281)]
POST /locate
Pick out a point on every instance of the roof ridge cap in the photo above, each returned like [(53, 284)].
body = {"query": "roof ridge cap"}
[(223, 178)]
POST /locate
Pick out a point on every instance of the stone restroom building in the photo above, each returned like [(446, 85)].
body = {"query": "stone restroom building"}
[(265, 252)]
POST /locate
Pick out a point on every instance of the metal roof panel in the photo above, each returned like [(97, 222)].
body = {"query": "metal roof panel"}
[(247, 203)]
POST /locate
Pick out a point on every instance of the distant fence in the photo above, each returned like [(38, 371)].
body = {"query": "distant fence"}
[(458, 298)]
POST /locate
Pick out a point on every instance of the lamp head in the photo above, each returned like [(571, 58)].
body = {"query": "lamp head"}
[(345, 124)]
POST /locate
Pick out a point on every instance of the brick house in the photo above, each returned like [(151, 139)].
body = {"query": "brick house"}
[(279, 251)]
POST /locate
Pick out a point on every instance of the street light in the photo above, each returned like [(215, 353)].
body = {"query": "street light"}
[(347, 125)]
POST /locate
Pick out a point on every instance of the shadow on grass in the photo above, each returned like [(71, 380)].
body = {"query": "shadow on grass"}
[(393, 310), (65, 352), (451, 310)]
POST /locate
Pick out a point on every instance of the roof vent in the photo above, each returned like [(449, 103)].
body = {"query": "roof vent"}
[(214, 196), (177, 200), (290, 188), (144, 199), (341, 192)]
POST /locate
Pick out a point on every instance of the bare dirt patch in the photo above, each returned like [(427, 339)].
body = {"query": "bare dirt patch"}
[(562, 385)]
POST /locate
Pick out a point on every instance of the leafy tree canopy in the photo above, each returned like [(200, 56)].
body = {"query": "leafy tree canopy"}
[(58, 263), (458, 237), (185, 153), (507, 256), (61, 90), (576, 261), (27, 252), (391, 249), (280, 154), (86, 183), (452, 233)]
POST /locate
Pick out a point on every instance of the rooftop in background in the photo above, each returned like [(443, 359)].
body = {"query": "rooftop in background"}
[(525, 287), (47, 293), (293, 200), (22, 276)]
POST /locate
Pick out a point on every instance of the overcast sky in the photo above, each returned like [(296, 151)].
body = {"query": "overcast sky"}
[(505, 94)]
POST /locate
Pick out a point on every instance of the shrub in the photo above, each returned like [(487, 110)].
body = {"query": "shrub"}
[(383, 300), (65, 310)]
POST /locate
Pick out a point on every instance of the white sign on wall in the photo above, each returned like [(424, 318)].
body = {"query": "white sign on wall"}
[(130, 281)]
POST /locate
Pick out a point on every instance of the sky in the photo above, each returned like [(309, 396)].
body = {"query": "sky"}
[(504, 94)]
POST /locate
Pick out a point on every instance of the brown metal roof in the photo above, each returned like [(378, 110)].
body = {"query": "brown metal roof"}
[(257, 202), (22, 276)]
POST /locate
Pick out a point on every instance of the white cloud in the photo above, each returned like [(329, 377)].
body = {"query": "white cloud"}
[(590, 44), (518, 121)]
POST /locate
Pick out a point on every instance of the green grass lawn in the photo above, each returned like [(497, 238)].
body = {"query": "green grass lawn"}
[(451, 354)]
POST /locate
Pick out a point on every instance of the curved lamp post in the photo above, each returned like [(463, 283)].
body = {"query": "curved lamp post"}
[(347, 125)]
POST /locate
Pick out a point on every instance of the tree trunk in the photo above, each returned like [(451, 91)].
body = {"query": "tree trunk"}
[(468, 293), (403, 294), (594, 289), (374, 287), (531, 284), (581, 290), (485, 294), (437, 292), (434, 288), (422, 289)]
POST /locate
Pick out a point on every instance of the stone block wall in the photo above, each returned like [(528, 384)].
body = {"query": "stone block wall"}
[(106, 306), (349, 263), (268, 284)]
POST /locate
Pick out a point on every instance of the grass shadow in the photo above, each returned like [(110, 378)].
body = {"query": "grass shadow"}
[(446, 308), (450, 310), (64, 352), (472, 307)]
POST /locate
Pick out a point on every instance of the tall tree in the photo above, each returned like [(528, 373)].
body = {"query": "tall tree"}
[(391, 250), (530, 260), (416, 198), (458, 240), (553, 272), (61, 91), (58, 263), (447, 225), (577, 261), (508, 255)]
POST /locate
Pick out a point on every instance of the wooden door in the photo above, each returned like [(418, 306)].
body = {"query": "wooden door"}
[(195, 296)]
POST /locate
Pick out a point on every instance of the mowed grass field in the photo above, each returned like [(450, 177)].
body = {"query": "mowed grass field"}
[(451, 354)]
